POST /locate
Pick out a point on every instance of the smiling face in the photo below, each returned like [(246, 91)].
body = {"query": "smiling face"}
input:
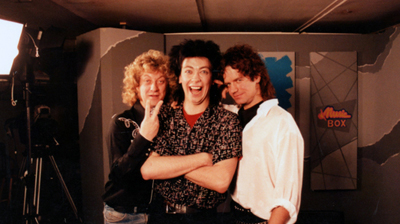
[(243, 90), (153, 87), (196, 80)]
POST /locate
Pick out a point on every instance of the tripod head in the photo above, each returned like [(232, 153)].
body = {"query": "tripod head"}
[(44, 130)]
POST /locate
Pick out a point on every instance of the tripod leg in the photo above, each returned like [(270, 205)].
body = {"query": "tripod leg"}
[(22, 167), (10, 190), (38, 181), (28, 204), (60, 178), (25, 211)]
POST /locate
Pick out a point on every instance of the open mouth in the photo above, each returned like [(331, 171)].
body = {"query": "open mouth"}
[(195, 89)]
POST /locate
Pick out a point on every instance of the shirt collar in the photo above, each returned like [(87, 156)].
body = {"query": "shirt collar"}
[(263, 110), (207, 113), (266, 106), (138, 110)]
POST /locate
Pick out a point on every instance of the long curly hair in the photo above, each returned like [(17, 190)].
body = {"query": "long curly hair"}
[(150, 61), (245, 59), (196, 48)]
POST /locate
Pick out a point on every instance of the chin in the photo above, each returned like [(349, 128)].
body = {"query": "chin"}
[(153, 103), (238, 102)]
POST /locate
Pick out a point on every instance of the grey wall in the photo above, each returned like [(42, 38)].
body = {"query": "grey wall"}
[(368, 46)]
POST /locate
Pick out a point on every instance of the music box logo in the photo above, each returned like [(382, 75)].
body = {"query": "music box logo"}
[(331, 117)]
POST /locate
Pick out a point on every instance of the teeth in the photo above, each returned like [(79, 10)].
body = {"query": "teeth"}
[(198, 88)]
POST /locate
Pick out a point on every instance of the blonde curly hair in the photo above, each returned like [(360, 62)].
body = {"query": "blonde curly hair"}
[(150, 61)]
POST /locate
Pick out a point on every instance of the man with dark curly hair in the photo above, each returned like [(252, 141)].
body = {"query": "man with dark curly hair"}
[(198, 128), (269, 178), (147, 82)]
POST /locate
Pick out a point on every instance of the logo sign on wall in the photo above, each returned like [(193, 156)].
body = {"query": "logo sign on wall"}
[(336, 116)]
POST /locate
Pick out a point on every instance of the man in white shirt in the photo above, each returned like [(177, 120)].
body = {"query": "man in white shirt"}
[(270, 173)]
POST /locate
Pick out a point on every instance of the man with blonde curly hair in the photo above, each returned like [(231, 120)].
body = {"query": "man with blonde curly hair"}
[(147, 84)]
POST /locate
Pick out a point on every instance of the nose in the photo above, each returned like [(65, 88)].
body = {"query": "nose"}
[(154, 86), (196, 76), (233, 87)]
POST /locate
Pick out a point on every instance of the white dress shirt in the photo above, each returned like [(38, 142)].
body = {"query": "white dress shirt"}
[(270, 174)]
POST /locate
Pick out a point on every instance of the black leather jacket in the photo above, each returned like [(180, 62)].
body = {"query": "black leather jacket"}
[(128, 150)]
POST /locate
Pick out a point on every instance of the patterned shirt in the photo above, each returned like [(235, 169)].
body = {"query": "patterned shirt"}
[(217, 131)]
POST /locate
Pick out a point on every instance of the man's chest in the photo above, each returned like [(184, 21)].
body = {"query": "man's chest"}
[(185, 140)]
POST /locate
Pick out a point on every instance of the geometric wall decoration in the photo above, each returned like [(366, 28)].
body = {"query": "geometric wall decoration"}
[(333, 131), (280, 66)]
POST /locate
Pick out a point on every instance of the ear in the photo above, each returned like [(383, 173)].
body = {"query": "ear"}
[(257, 79), (179, 80), (138, 96)]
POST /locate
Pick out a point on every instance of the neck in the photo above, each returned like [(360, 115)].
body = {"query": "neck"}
[(194, 109), (142, 103), (257, 99)]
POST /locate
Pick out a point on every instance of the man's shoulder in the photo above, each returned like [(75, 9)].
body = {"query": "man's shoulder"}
[(166, 111), (226, 119), (277, 111), (283, 117), (125, 119), (220, 111), (126, 114)]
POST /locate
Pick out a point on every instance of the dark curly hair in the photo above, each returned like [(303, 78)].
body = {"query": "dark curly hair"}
[(196, 48), (245, 59)]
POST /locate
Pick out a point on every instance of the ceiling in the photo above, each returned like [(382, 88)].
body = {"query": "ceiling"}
[(74, 17)]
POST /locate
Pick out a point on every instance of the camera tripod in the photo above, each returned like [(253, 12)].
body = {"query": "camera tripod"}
[(33, 180)]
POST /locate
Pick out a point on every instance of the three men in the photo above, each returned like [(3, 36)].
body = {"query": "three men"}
[(198, 145), (270, 173)]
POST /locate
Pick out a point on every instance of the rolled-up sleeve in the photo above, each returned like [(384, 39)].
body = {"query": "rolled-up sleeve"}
[(289, 172)]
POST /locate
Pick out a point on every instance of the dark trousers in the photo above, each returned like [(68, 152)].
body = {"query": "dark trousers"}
[(194, 218), (158, 215)]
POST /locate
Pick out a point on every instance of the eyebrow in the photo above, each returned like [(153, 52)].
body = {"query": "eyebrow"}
[(229, 82), (190, 66), (234, 79), (149, 76)]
